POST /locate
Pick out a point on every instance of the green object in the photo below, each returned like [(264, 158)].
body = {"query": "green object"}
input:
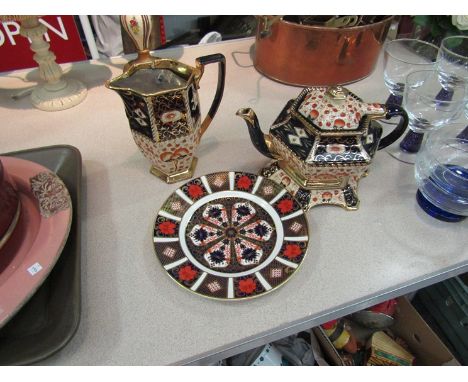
[(435, 27)]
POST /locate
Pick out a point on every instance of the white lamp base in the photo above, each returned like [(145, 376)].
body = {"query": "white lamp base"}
[(63, 95)]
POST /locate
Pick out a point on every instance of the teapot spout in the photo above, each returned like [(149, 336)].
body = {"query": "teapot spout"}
[(262, 142)]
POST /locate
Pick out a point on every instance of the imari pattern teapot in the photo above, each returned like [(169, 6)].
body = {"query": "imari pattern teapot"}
[(322, 143)]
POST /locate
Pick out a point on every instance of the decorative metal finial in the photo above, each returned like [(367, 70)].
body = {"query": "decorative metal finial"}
[(337, 92)]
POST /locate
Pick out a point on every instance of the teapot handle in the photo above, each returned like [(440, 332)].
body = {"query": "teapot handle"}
[(392, 111), (201, 62)]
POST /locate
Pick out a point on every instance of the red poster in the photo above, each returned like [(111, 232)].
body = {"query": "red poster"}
[(62, 34)]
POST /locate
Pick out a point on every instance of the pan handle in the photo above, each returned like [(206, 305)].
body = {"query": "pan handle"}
[(266, 23)]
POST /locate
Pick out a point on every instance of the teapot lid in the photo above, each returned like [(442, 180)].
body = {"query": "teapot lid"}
[(334, 109)]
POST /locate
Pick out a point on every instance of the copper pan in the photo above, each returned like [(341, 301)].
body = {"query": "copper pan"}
[(310, 55)]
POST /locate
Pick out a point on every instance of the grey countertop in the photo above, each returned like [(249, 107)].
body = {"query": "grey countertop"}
[(132, 313)]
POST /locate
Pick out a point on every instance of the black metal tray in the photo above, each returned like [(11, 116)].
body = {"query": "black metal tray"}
[(49, 320)]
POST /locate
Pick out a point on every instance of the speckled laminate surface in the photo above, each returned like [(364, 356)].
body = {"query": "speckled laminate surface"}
[(132, 313)]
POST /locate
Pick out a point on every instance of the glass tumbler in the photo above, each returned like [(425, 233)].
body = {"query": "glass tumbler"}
[(403, 56), (452, 63), (441, 173), (430, 105)]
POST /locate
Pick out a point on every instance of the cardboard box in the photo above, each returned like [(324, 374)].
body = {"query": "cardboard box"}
[(409, 325), (382, 350)]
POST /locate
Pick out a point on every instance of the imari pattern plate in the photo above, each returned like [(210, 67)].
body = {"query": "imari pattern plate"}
[(231, 235)]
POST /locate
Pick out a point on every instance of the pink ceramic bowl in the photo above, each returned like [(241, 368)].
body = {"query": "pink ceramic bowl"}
[(10, 206)]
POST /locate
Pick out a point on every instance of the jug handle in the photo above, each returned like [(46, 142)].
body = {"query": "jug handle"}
[(201, 62), (393, 111)]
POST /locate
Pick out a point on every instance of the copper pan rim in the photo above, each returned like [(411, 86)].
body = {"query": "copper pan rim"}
[(325, 28)]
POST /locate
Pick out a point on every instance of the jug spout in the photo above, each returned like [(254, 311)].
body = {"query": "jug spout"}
[(261, 141)]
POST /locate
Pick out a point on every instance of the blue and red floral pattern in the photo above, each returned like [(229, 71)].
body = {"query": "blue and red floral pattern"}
[(233, 231)]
